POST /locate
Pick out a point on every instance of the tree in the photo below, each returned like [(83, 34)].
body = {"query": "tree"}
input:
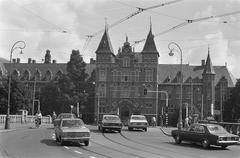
[(73, 84), (232, 105)]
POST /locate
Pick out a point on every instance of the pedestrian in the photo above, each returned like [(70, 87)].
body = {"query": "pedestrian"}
[(153, 121), (54, 116), (186, 123), (38, 118)]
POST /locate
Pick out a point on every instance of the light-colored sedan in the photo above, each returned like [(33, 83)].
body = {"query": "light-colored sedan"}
[(137, 122), (72, 130)]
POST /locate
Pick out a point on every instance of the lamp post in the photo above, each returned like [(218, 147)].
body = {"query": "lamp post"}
[(172, 48), (14, 47), (166, 93)]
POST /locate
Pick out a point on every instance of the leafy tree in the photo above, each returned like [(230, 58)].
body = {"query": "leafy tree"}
[(232, 106), (73, 84)]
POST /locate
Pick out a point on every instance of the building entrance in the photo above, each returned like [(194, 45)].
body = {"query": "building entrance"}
[(125, 112)]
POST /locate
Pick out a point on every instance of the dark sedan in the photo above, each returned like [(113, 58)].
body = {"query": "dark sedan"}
[(110, 122), (206, 134)]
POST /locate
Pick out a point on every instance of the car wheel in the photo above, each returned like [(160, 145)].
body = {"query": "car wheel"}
[(57, 140), (119, 130), (130, 129), (205, 143), (145, 129), (86, 143), (178, 139), (224, 146), (99, 128), (62, 142), (103, 130)]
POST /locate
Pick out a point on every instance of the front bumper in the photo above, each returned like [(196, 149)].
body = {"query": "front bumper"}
[(75, 139), (232, 142)]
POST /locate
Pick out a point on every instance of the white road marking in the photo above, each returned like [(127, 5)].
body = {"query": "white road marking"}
[(77, 152), (66, 147), (92, 157)]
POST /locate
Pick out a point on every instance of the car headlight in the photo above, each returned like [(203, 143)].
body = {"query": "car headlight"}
[(220, 138)]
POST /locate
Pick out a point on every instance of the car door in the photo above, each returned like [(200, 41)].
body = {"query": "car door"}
[(191, 133), (199, 134)]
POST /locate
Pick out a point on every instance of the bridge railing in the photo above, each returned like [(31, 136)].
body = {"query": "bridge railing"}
[(24, 119)]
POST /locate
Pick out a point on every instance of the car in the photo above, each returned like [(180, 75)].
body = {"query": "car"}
[(63, 115), (110, 122), (137, 122), (72, 130), (206, 135)]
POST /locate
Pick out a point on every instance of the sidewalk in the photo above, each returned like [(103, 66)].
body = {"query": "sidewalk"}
[(15, 126)]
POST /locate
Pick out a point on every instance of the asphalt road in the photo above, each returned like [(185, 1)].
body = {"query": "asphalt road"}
[(40, 143)]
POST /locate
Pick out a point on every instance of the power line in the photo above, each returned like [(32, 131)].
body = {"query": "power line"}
[(139, 10), (189, 21)]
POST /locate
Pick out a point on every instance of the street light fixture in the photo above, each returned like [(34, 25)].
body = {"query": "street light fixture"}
[(171, 47), (14, 47)]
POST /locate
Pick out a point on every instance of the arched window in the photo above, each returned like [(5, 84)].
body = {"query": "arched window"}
[(58, 74), (126, 62), (26, 75), (15, 74), (37, 75), (48, 75)]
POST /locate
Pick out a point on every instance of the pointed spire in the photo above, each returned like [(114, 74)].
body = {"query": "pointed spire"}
[(105, 45), (150, 46), (208, 69)]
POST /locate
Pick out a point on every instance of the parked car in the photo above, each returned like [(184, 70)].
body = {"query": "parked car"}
[(206, 135), (62, 116), (137, 122), (110, 122), (72, 130)]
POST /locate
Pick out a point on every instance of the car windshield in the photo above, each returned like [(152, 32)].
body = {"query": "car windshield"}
[(67, 116), (72, 123), (216, 129), (111, 118), (138, 118)]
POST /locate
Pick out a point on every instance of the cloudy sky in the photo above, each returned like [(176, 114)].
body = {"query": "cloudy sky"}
[(63, 25)]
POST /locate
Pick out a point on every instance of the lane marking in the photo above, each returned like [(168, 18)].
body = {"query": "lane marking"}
[(92, 156), (77, 152), (66, 147)]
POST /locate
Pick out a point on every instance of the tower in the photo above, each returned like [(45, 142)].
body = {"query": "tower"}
[(208, 77)]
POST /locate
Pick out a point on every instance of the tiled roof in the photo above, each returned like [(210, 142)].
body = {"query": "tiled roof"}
[(43, 68), (170, 71), (105, 43)]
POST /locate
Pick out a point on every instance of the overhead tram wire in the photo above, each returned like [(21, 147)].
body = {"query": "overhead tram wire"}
[(188, 22), (139, 10)]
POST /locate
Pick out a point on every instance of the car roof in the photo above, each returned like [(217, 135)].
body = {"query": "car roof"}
[(206, 124), (138, 115), (111, 115), (71, 119), (66, 114)]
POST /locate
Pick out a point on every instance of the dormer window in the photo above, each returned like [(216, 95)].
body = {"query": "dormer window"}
[(126, 62)]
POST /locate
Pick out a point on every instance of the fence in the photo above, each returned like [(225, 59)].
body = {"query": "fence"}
[(24, 119)]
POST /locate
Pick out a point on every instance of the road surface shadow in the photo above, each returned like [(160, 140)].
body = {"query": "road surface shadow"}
[(197, 146), (49, 142)]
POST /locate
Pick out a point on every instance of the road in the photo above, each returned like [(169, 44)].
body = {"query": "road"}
[(40, 143)]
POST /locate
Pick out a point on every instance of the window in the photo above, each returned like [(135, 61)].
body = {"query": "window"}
[(102, 75), (126, 62), (137, 76), (149, 76), (48, 75), (102, 90), (26, 75), (125, 92)]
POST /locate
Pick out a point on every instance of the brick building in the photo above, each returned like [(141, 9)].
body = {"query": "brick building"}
[(121, 79)]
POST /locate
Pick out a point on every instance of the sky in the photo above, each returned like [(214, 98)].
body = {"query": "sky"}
[(63, 25)]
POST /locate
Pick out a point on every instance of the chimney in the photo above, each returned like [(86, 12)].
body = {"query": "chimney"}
[(18, 60), (29, 60), (33, 61), (203, 62), (14, 60), (54, 61)]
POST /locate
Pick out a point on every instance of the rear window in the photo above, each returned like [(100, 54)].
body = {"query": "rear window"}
[(111, 118), (138, 118), (66, 116), (72, 123)]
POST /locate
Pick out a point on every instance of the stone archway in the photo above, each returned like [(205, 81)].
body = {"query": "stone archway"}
[(125, 110)]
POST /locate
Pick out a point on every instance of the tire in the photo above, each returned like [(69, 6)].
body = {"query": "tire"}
[(145, 129), (224, 146), (178, 139), (205, 144), (62, 142), (130, 129), (103, 130), (86, 143), (99, 128), (119, 130)]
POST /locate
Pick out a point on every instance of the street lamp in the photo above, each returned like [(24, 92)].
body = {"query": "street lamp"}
[(172, 48), (14, 47)]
